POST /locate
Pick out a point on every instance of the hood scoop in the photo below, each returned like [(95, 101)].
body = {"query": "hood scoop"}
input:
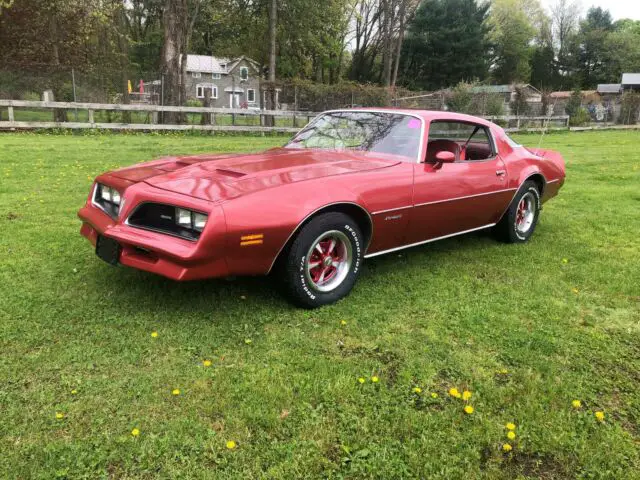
[(230, 173)]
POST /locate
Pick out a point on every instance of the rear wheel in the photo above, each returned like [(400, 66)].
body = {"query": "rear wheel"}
[(324, 260), (520, 220)]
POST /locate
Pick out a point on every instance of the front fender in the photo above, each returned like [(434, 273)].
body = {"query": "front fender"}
[(260, 224)]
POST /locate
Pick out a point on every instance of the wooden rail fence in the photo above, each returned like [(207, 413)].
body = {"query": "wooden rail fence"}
[(294, 120), (153, 112)]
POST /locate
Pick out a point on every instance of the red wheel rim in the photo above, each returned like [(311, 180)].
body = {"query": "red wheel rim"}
[(328, 261)]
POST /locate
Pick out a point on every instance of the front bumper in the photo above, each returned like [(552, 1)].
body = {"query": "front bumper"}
[(159, 253)]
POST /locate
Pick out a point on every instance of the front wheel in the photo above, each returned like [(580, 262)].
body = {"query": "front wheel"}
[(520, 220), (324, 260)]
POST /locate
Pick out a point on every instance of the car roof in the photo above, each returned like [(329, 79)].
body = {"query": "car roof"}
[(427, 115)]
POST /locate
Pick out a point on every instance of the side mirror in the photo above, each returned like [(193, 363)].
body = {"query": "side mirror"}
[(445, 156)]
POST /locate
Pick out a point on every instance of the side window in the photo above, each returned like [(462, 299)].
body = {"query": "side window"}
[(467, 141)]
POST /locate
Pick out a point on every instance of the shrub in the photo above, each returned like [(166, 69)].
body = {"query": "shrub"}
[(31, 96), (192, 102), (629, 108), (574, 103), (461, 98), (520, 106), (494, 105), (579, 118)]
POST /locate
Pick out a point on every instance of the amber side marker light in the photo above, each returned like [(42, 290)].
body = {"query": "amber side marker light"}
[(255, 239)]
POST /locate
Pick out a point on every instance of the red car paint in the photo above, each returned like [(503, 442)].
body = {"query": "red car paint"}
[(268, 196)]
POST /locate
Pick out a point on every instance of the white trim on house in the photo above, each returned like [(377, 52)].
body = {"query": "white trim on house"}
[(201, 87)]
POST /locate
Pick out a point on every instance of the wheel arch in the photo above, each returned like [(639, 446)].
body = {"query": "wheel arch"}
[(359, 214)]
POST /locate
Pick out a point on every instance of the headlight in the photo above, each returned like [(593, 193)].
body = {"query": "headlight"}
[(108, 199), (191, 220)]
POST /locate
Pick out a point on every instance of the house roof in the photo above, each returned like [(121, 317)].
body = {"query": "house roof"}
[(567, 93), (205, 63), (501, 88), (210, 64), (631, 79), (609, 88)]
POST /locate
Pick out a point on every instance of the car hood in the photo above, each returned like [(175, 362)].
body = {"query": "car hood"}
[(221, 177)]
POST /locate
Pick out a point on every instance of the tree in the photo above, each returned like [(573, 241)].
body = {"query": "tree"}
[(593, 33), (512, 34), (446, 44), (565, 15)]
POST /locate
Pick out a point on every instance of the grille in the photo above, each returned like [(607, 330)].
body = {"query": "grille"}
[(160, 218)]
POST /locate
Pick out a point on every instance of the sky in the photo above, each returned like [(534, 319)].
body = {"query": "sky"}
[(618, 8)]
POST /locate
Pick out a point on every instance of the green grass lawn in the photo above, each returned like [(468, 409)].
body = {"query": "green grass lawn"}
[(526, 328)]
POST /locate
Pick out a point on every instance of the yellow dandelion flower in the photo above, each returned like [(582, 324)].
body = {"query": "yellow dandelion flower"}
[(154, 334), (375, 379), (417, 390), (206, 363), (576, 404), (231, 445), (74, 391), (343, 322), (510, 426), (135, 432), (511, 434), (507, 447), (565, 260), (175, 391), (59, 415), (454, 392), (248, 341), (574, 290), (361, 380), (468, 409), (503, 371), (600, 416), (466, 395), (434, 395)]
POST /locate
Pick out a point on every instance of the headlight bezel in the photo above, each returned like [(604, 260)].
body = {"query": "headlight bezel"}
[(164, 218), (104, 198)]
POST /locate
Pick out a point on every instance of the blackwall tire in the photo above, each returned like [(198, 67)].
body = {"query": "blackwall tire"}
[(519, 221), (324, 260)]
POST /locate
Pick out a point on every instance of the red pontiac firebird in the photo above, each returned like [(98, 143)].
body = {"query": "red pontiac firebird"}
[(351, 185)]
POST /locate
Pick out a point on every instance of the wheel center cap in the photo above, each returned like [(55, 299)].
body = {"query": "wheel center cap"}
[(327, 261)]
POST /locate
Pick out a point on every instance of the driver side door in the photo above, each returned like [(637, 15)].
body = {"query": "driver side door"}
[(465, 195)]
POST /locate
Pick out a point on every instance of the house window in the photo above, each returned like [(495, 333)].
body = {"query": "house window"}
[(201, 90), (251, 95), (244, 73), (215, 76), (195, 74), (223, 66)]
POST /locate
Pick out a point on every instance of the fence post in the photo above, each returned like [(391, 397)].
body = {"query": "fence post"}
[(91, 121), (73, 81), (11, 117)]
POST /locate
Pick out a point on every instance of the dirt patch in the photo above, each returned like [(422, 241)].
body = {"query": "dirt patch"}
[(11, 216), (533, 465), (390, 360)]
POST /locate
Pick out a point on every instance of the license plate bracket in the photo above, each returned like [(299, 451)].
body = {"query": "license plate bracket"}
[(108, 250)]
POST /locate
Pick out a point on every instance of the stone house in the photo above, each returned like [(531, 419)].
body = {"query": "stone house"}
[(231, 83)]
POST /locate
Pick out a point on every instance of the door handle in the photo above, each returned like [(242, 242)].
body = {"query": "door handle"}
[(501, 173)]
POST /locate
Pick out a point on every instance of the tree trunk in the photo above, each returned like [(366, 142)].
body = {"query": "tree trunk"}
[(387, 41), (400, 39), (175, 20), (123, 47), (271, 92)]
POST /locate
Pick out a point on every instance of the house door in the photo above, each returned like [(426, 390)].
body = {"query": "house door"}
[(234, 100)]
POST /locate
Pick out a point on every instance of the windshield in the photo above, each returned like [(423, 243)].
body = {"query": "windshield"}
[(379, 132)]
